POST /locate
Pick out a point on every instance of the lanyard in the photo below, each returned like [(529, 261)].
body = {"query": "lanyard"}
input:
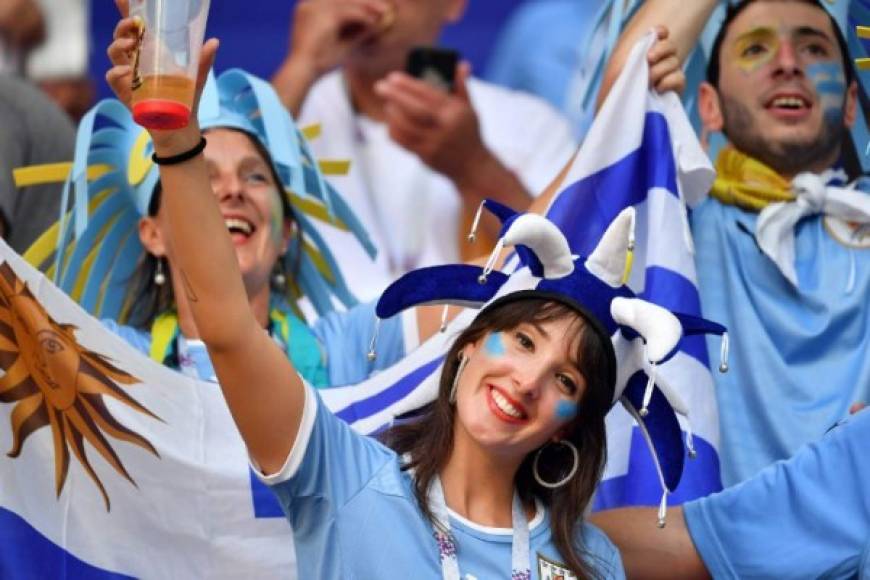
[(520, 559)]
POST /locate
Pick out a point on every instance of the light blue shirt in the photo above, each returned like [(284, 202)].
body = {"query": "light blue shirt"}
[(808, 517), (344, 336), (799, 356), (355, 516), (540, 48)]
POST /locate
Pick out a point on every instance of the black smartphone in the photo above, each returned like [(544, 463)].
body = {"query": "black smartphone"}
[(436, 66)]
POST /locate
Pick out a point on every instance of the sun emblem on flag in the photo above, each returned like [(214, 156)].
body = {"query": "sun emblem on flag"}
[(53, 381)]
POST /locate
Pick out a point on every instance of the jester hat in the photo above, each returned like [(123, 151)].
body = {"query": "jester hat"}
[(641, 334), (92, 251)]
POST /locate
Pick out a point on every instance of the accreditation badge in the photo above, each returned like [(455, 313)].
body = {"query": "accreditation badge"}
[(550, 570)]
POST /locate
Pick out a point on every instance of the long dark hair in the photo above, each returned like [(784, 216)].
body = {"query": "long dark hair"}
[(148, 299), (428, 438)]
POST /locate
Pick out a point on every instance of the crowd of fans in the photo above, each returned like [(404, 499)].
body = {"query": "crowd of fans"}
[(785, 270)]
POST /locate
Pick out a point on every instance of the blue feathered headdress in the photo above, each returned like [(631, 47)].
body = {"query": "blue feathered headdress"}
[(642, 334), (92, 251)]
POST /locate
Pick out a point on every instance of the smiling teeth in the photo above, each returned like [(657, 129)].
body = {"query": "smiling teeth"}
[(238, 225), (791, 102), (504, 405)]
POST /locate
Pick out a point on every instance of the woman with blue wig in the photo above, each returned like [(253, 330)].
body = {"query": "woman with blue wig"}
[(270, 190)]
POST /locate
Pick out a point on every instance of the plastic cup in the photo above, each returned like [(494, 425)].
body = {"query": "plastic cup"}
[(166, 60)]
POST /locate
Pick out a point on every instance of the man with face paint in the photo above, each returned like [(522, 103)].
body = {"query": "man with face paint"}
[(792, 291), (781, 91)]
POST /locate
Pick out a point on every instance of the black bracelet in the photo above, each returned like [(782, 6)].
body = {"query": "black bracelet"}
[(181, 157)]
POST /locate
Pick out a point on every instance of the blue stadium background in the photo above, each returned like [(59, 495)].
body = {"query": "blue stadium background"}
[(254, 33)]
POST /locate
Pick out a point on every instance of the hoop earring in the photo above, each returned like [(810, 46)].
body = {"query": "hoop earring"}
[(463, 360), (575, 465), (159, 276)]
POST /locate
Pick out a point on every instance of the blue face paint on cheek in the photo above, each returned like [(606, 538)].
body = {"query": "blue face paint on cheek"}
[(494, 345), (830, 84), (566, 410)]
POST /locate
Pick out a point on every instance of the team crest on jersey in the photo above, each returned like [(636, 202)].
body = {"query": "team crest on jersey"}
[(550, 570), (849, 234)]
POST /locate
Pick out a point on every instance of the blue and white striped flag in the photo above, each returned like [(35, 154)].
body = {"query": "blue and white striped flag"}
[(642, 152)]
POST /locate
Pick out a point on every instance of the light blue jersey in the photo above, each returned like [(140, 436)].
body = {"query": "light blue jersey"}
[(808, 517), (799, 356), (344, 336), (542, 48), (355, 516)]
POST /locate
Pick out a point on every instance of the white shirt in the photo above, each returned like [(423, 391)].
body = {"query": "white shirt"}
[(64, 53), (411, 212)]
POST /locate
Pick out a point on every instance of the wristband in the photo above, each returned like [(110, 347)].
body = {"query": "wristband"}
[(181, 157)]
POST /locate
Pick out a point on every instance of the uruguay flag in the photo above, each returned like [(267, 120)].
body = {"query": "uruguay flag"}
[(642, 152)]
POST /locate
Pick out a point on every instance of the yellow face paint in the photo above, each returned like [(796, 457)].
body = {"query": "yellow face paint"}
[(755, 48), (277, 218)]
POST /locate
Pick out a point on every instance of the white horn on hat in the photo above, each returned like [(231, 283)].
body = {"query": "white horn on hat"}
[(660, 329), (608, 259), (545, 239)]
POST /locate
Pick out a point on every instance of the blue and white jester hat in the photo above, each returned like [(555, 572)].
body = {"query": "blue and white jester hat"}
[(112, 180), (642, 334)]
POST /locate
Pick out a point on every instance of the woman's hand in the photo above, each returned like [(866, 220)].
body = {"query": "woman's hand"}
[(665, 73), (121, 53)]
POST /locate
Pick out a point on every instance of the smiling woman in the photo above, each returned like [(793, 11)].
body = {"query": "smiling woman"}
[(500, 468), (259, 218), (269, 190), (520, 370)]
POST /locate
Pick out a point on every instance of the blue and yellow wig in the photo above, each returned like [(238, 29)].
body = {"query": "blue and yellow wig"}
[(93, 249)]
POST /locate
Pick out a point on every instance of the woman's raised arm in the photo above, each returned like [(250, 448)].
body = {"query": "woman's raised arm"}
[(261, 387)]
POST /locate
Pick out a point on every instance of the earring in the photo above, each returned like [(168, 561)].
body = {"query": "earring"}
[(575, 464), (159, 276), (279, 280), (462, 362)]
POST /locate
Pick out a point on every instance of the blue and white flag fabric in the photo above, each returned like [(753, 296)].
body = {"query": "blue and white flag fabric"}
[(113, 466), (642, 152)]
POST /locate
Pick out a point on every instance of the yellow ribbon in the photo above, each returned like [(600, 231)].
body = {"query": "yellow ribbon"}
[(748, 183), (53, 173)]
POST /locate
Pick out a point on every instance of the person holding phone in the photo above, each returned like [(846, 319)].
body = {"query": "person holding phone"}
[(423, 158)]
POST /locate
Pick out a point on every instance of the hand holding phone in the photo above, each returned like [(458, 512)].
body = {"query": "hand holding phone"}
[(436, 66)]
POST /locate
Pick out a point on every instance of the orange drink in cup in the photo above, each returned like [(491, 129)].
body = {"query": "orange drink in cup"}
[(166, 60)]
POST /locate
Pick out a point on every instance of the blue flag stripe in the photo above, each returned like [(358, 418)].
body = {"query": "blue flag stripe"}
[(380, 401), (673, 291), (700, 477), (584, 209), (26, 554)]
